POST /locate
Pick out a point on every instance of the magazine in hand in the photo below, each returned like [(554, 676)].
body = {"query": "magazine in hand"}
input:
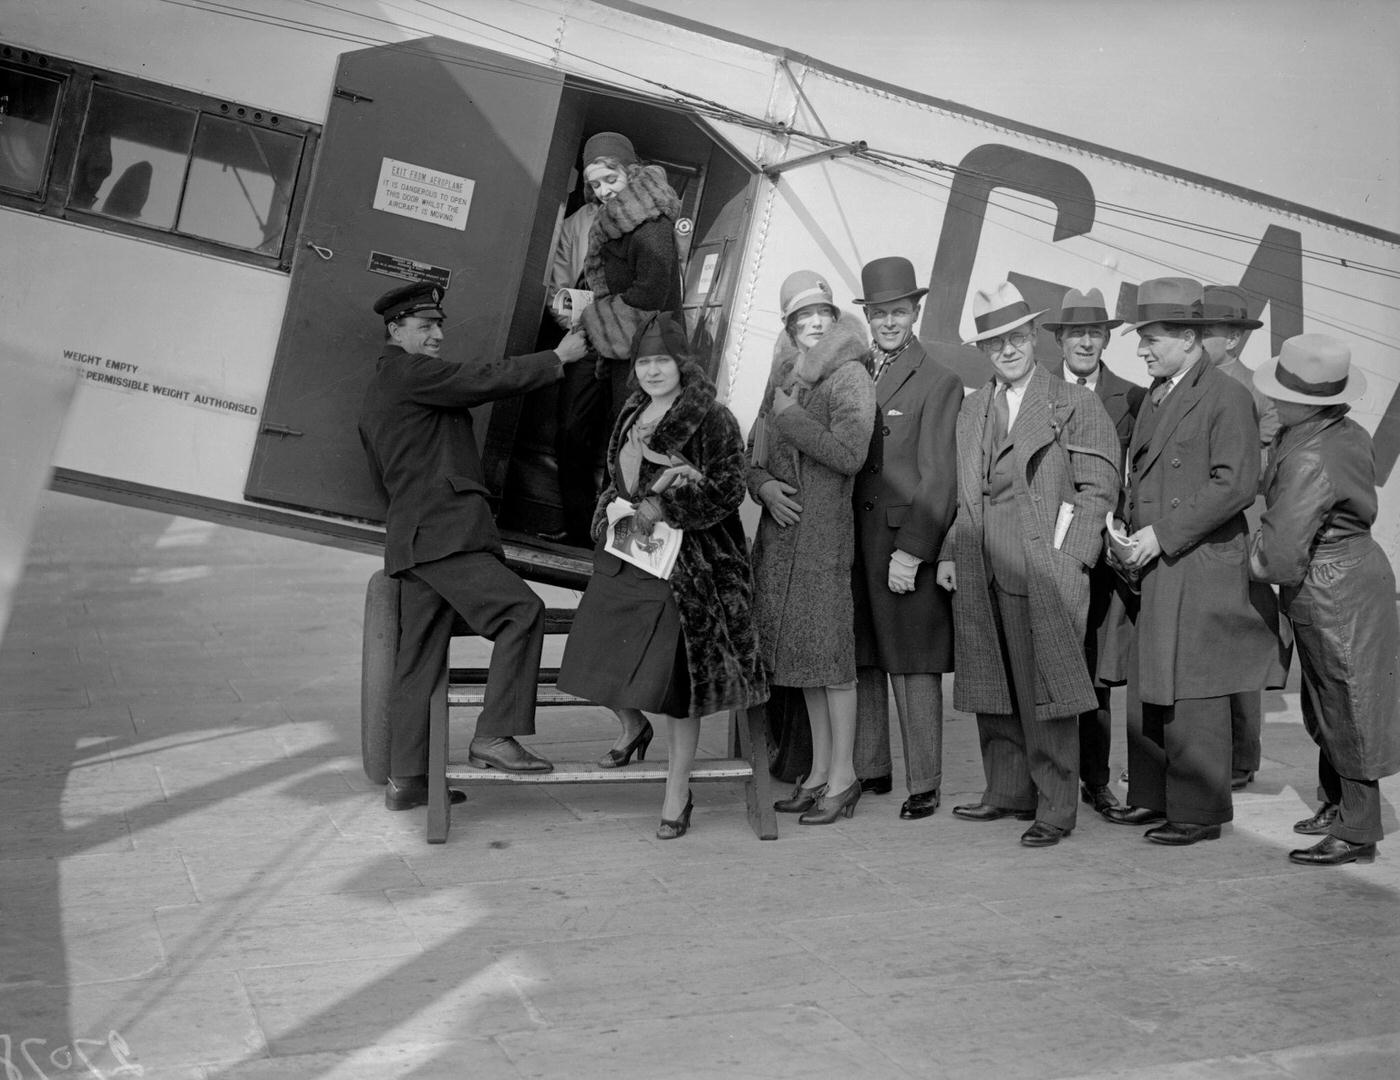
[(656, 554)]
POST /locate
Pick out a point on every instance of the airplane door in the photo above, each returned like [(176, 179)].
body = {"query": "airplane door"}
[(429, 166)]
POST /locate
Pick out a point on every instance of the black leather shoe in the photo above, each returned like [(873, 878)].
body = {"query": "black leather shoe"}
[(1043, 834), (1333, 851), (1319, 823), (1100, 798), (1133, 815), (506, 754), (1179, 835), (919, 806), (877, 785), (409, 791), (983, 812), (1240, 780)]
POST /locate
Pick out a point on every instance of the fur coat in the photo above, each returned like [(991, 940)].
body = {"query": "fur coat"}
[(711, 582), (631, 266), (802, 573)]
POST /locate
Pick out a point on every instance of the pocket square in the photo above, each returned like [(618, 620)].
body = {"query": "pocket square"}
[(894, 412)]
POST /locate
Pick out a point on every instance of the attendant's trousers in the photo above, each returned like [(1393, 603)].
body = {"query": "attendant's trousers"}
[(1358, 803), (1246, 726), (1030, 764), (1095, 741), (495, 604), (587, 408), (1179, 759), (918, 700)]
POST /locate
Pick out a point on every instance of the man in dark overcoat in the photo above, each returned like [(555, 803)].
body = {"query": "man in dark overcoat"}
[(905, 497), (1036, 477), (1081, 329), (441, 541), (1193, 468)]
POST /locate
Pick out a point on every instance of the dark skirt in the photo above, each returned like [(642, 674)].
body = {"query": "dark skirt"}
[(626, 649)]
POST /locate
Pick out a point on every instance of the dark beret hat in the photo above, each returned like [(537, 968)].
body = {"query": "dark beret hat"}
[(420, 298)]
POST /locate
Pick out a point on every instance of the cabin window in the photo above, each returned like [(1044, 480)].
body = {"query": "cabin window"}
[(28, 106), (146, 160)]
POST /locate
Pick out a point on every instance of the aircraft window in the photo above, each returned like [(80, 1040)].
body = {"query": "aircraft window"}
[(240, 184), (28, 105), (131, 163)]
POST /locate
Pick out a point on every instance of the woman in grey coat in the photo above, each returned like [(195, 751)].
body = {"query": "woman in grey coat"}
[(810, 440), (1336, 587)]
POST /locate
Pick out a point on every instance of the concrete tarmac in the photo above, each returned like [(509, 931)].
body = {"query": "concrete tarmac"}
[(199, 882)]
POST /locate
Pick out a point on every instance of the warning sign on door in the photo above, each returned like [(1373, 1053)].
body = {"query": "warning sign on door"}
[(419, 192)]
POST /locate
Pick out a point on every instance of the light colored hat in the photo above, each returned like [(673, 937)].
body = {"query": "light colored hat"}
[(1311, 369), (997, 311), (1169, 300), (802, 288), (1082, 309)]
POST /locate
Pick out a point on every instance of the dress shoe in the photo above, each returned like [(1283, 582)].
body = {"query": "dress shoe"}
[(1319, 823), (830, 807), (1100, 798), (1179, 835), (674, 830), (506, 754), (1133, 815), (1043, 834), (878, 785), (801, 800), (1240, 780), (1333, 851), (406, 792), (983, 812), (617, 759), (919, 806)]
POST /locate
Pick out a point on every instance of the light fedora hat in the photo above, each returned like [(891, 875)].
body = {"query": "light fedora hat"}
[(1311, 369), (1169, 300), (884, 280), (1229, 304), (1082, 309), (998, 310)]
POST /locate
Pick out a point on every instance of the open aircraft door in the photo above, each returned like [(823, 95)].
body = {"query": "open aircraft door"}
[(430, 166)]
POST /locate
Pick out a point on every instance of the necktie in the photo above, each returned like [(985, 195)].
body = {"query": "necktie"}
[(1159, 390), (1082, 381), (1001, 415)]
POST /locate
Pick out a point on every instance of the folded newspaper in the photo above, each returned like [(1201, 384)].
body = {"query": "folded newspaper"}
[(570, 304), (656, 554)]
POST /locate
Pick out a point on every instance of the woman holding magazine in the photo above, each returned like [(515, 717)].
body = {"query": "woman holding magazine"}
[(682, 645)]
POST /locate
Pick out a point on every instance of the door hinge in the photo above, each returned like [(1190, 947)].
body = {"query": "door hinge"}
[(350, 95), (281, 429)]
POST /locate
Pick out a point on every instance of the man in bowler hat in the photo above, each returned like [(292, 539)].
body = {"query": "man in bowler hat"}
[(1081, 329), (1037, 472), (441, 541), (1193, 466), (905, 496)]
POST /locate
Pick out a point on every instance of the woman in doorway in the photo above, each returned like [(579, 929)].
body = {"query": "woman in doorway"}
[(1336, 587), (811, 438), (684, 646)]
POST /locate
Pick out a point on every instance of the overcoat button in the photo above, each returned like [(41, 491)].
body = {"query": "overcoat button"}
[(869, 505), (1176, 502), (885, 430), (1176, 463)]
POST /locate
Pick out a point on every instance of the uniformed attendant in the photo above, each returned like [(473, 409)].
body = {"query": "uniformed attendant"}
[(905, 497), (1081, 329), (441, 541)]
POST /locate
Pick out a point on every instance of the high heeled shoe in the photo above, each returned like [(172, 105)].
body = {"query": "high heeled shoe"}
[(616, 759), (801, 800), (674, 830), (830, 807)]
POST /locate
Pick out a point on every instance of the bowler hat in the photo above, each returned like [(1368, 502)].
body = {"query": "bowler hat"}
[(1229, 304), (998, 310), (801, 289), (609, 144), (1311, 369), (1082, 309), (421, 298), (888, 279), (1169, 300)]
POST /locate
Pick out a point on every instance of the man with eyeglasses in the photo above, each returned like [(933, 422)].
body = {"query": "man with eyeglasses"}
[(904, 497), (1081, 329), (441, 541), (1037, 472)]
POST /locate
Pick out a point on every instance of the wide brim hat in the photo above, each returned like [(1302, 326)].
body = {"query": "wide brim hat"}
[(1169, 300), (998, 310), (1230, 305), (1082, 309), (884, 280), (1311, 369)]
